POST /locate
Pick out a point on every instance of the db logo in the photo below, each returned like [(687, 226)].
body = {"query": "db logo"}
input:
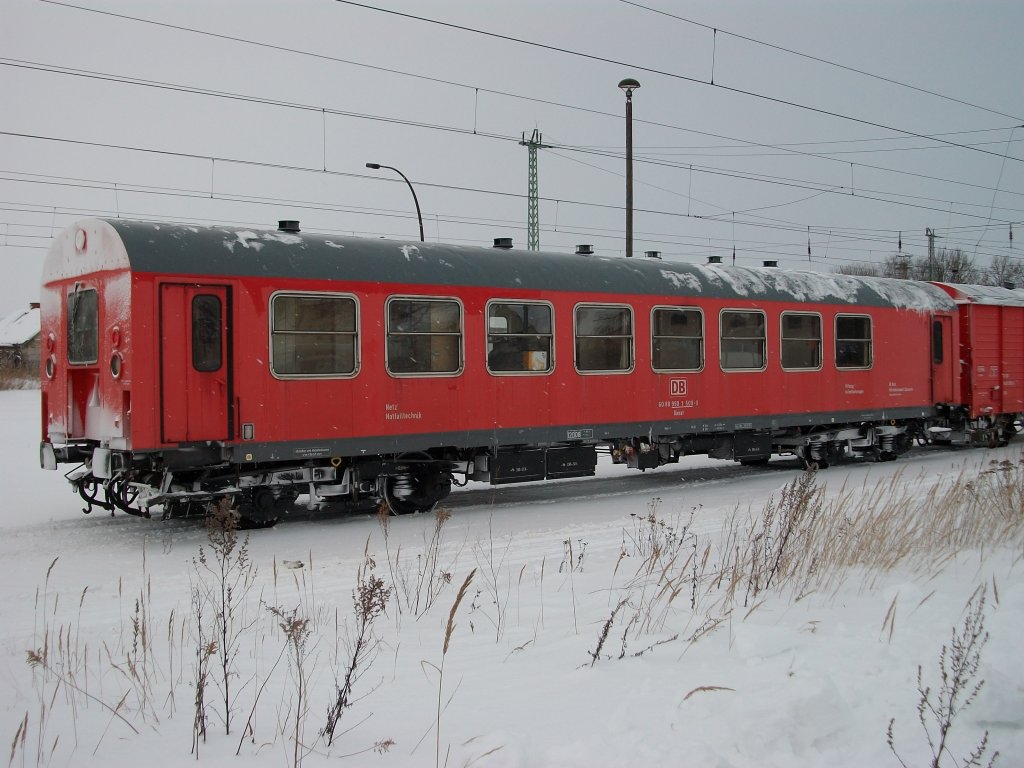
[(677, 387)]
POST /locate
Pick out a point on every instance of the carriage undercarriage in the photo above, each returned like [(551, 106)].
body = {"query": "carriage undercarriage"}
[(145, 485)]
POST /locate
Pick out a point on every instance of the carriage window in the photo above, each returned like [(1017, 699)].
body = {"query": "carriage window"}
[(743, 341), (801, 341), (677, 339), (424, 336), (313, 335), (83, 326), (206, 333), (853, 341), (604, 338), (937, 342), (519, 338)]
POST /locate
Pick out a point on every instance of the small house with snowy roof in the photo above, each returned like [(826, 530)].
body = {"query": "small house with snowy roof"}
[(19, 340)]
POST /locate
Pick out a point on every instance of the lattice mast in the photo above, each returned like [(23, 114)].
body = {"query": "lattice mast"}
[(533, 205)]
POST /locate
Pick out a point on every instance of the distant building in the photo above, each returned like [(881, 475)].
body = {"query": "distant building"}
[(19, 340)]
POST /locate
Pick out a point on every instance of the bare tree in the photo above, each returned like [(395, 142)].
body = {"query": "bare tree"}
[(948, 265), (1005, 270)]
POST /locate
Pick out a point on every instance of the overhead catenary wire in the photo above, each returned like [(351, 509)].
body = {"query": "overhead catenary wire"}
[(700, 170), (448, 128), (632, 66), (844, 234), (437, 185), (476, 88), (820, 60)]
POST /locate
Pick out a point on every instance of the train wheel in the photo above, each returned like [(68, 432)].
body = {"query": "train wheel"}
[(258, 509), (395, 489), (418, 491)]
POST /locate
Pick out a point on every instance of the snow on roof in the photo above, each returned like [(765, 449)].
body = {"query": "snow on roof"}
[(152, 247), (989, 294), (19, 327)]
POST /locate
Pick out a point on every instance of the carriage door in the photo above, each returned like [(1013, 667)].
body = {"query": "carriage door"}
[(945, 367), (195, 365)]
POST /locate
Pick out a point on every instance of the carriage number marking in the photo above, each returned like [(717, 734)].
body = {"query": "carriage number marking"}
[(579, 434)]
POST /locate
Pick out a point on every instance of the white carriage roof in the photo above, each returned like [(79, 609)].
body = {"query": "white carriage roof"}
[(988, 294)]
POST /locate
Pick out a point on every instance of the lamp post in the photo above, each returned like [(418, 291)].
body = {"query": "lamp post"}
[(419, 216), (629, 85)]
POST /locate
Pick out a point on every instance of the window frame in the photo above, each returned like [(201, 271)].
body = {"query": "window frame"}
[(202, 349), (551, 336), (461, 337), (783, 339), (78, 293), (870, 342), (576, 338), (938, 342), (722, 339), (356, 334), (702, 338)]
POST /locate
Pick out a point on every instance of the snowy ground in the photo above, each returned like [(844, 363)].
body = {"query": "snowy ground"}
[(789, 682)]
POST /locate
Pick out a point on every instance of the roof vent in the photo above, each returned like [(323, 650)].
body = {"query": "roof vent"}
[(503, 242), (714, 259), (584, 250), (771, 263), (652, 254), (288, 226)]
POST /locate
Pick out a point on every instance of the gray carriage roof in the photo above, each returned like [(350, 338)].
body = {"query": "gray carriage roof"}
[(223, 251)]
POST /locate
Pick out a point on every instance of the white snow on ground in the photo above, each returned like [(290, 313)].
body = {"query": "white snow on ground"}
[(790, 682)]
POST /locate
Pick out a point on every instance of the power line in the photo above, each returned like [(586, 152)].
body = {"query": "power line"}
[(830, 63), (664, 73), (783, 144), (476, 190), (685, 151), (803, 184), (455, 129), (285, 49), (848, 234), (88, 74), (796, 183)]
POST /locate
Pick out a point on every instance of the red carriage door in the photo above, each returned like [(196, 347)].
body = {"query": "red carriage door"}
[(1012, 366), (944, 367), (195, 364)]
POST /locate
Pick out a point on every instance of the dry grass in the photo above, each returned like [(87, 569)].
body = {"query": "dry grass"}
[(804, 540), (814, 543), (420, 577), (11, 378), (669, 585), (369, 601), (956, 687)]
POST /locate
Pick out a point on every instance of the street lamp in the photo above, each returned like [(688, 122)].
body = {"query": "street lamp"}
[(629, 85), (378, 166)]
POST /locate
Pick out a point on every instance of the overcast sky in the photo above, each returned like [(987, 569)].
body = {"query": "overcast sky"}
[(748, 137)]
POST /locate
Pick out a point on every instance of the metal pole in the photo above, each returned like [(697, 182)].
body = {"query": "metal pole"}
[(419, 216), (629, 85), (629, 174), (931, 250)]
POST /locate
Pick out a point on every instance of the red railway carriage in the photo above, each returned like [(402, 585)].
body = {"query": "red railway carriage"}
[(991, 321), (186, 364)]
